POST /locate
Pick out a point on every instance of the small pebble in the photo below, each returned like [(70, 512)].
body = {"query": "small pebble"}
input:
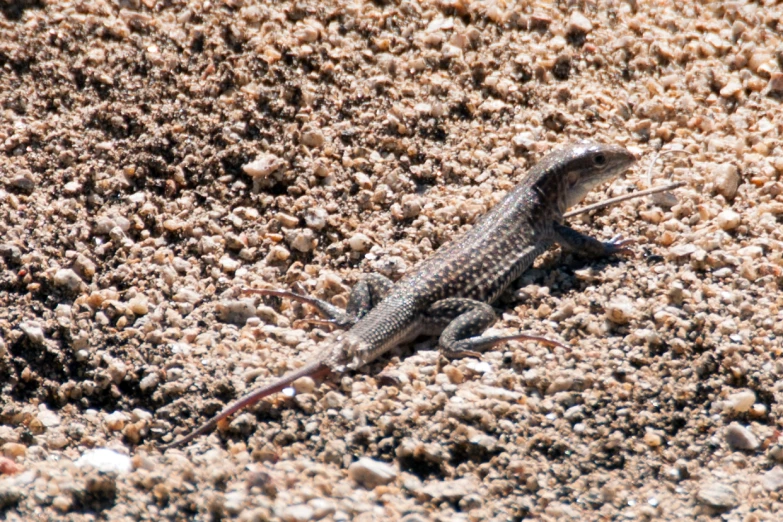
[(316, 218), (448, 490), (33, 332), (653, 439), (620, 311), (9, 467), (187, 295), (740, 402), (359, 242), (105, 460), (14, 450), (313, 138), (578, 23), (303, 240), (732, 89), (371, 473), (236, 312), (717, 495), (775, 84), (84, 267), (68, 279), (229, 265), (333, 400), (304, 385), (115, 421), (728, 220), (262, 166), (321, 507), (739, 437), (234, 502), (47, 417), (772, 480), (298, 513), (727, 180), (149, 382), (138, 305), (24, 182)]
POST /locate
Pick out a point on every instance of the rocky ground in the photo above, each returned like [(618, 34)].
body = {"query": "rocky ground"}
[(158, 156)]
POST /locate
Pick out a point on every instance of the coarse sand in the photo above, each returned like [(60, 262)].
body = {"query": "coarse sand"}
[(156, 157)]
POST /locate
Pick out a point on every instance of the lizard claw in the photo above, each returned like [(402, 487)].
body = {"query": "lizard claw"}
[(617, 245), (321, 322), (461, 354)]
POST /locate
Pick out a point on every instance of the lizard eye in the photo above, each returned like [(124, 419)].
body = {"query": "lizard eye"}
[(599, 160)]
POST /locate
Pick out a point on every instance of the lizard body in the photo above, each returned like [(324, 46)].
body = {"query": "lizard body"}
[(451, 292)]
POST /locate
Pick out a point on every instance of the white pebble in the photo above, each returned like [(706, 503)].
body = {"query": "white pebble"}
[(72, 188), (106, 461), (287, 220), (620, 311), (33, 332), (279, 253), (313, 138), (68, 279), (149, 382), (115, 421), (451, 51), (733, 88), (236, 312), (117, 370), (262, 166), (187, 295), (47, 417), (739, 437), (740, 402), (316, 218), (303, 240), (332, 401), (728, 220), (772, 480), (234, 502), (727, 180), (322, 507), (371, 473), (304, 385), (138, 305), (297, 513), (578, 23), (229, 265), (359, 242)]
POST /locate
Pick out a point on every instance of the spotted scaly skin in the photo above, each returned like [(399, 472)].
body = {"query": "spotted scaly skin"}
[(451, 292)]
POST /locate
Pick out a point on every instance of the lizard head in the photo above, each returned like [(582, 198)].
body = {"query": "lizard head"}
[(586, 165)]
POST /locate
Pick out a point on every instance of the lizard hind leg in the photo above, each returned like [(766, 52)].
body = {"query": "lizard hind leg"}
[(365, 295), (334, 315), (463, 321)]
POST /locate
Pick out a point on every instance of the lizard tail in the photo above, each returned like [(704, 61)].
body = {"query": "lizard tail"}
[(315, 370)]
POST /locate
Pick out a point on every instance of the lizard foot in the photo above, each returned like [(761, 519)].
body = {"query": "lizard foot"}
[(617, 245)]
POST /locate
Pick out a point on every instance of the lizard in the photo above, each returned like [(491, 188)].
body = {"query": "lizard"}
[(451, 293)]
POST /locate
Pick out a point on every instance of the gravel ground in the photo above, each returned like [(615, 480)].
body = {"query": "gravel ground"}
[(156, 157)]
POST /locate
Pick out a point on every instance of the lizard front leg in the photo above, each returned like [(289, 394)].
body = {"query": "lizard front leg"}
[(584, 245), (365, 295), (462, 321)]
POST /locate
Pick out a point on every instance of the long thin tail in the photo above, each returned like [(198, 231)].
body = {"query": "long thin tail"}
[(315, 370)]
